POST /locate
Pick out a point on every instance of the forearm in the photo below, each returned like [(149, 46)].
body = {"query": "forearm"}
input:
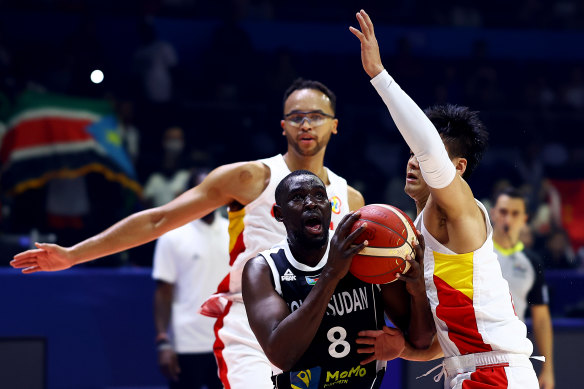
[(293, 335), (411, 353), (162, 308), (130, 232), (421, 329), (543, 332), (417, 130)]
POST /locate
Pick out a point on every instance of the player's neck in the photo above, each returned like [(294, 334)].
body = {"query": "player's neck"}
[(307, 256), (314, 164), (420, 205)]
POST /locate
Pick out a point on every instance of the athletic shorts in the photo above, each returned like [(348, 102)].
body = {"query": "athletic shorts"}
[(490, 370), (242, 362)]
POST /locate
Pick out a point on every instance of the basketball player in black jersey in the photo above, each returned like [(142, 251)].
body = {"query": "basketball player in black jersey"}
[(306, 309)]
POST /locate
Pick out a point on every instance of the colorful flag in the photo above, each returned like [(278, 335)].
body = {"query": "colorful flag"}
[(53, 136)]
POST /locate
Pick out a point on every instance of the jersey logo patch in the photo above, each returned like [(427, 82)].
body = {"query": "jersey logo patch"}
[(305, 379), (336, 204), (288, 276), (311, 280)]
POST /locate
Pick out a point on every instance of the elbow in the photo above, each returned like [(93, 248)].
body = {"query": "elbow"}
[(279, 359), (423, 342), (156, 219)]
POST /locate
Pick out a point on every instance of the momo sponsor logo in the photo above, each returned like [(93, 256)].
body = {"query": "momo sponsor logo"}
[(288, 276), (336, 204), (311, 280), (305, 379), (343, 376)]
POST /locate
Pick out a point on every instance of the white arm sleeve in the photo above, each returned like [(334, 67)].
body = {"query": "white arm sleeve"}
[(418, 132)]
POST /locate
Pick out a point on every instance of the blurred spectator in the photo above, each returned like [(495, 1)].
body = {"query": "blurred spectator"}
[(171, 177), (189, 263), (464, 13), (573, 91), (154, 61), (230, 62), (558, 252), (548, 214), (449, 89), (539, 94), (407, 64), (128, 131), (483, 87)]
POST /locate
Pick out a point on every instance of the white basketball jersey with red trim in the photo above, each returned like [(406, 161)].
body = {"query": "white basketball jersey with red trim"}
[(470, 299), (254, 228)]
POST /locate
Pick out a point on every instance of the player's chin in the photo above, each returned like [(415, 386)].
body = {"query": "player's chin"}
[(316, 240), (413, 189)]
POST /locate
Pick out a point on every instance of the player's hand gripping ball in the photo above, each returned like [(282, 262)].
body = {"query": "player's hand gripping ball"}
[(391, 236)]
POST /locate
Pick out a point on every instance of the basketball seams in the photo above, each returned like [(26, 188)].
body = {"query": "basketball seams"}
[(387, 228), (384, 244)]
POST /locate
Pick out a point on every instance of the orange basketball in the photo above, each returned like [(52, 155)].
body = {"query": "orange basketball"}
[(390, 234)]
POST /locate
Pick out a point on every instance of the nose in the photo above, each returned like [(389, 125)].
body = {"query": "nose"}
[(310, 202), (413, 162), (305, 124)]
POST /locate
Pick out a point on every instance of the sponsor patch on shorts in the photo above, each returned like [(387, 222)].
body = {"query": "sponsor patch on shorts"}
[(305, 379)]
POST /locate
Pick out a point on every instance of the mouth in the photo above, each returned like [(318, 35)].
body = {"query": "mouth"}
[(313, 225), (411, 177), (306, 139)]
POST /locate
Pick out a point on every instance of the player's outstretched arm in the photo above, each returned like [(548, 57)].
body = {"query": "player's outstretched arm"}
[(235, 182), (286, 336), (453, 195)]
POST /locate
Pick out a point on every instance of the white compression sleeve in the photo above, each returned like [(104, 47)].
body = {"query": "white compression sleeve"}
[(418, 132)]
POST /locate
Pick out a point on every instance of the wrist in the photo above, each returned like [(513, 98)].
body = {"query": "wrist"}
[(375, 71), (162, 337)]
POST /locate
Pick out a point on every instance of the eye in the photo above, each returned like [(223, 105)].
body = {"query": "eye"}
[(321, 196), (297, 197)]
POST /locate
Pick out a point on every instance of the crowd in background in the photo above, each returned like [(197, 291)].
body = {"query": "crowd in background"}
[(223, 103)]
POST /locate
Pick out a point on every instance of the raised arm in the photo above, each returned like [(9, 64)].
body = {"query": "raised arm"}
[(241, 182), (449, 191), (285, 336)]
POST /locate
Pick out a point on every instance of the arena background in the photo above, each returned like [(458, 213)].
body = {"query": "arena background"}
[(519, 64)]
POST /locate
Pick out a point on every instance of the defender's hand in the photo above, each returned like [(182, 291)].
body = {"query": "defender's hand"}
[(414, 278), (383, 345), (46, 257), (370, 56)]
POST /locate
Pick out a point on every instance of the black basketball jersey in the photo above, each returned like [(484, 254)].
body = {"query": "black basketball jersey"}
[(331, 360)]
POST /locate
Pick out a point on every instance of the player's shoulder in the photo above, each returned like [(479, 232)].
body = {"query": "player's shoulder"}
[(356, 199)]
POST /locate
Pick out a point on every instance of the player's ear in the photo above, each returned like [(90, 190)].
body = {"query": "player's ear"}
[(335, 124), (277, 211), (460, 165), (282, 122)]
